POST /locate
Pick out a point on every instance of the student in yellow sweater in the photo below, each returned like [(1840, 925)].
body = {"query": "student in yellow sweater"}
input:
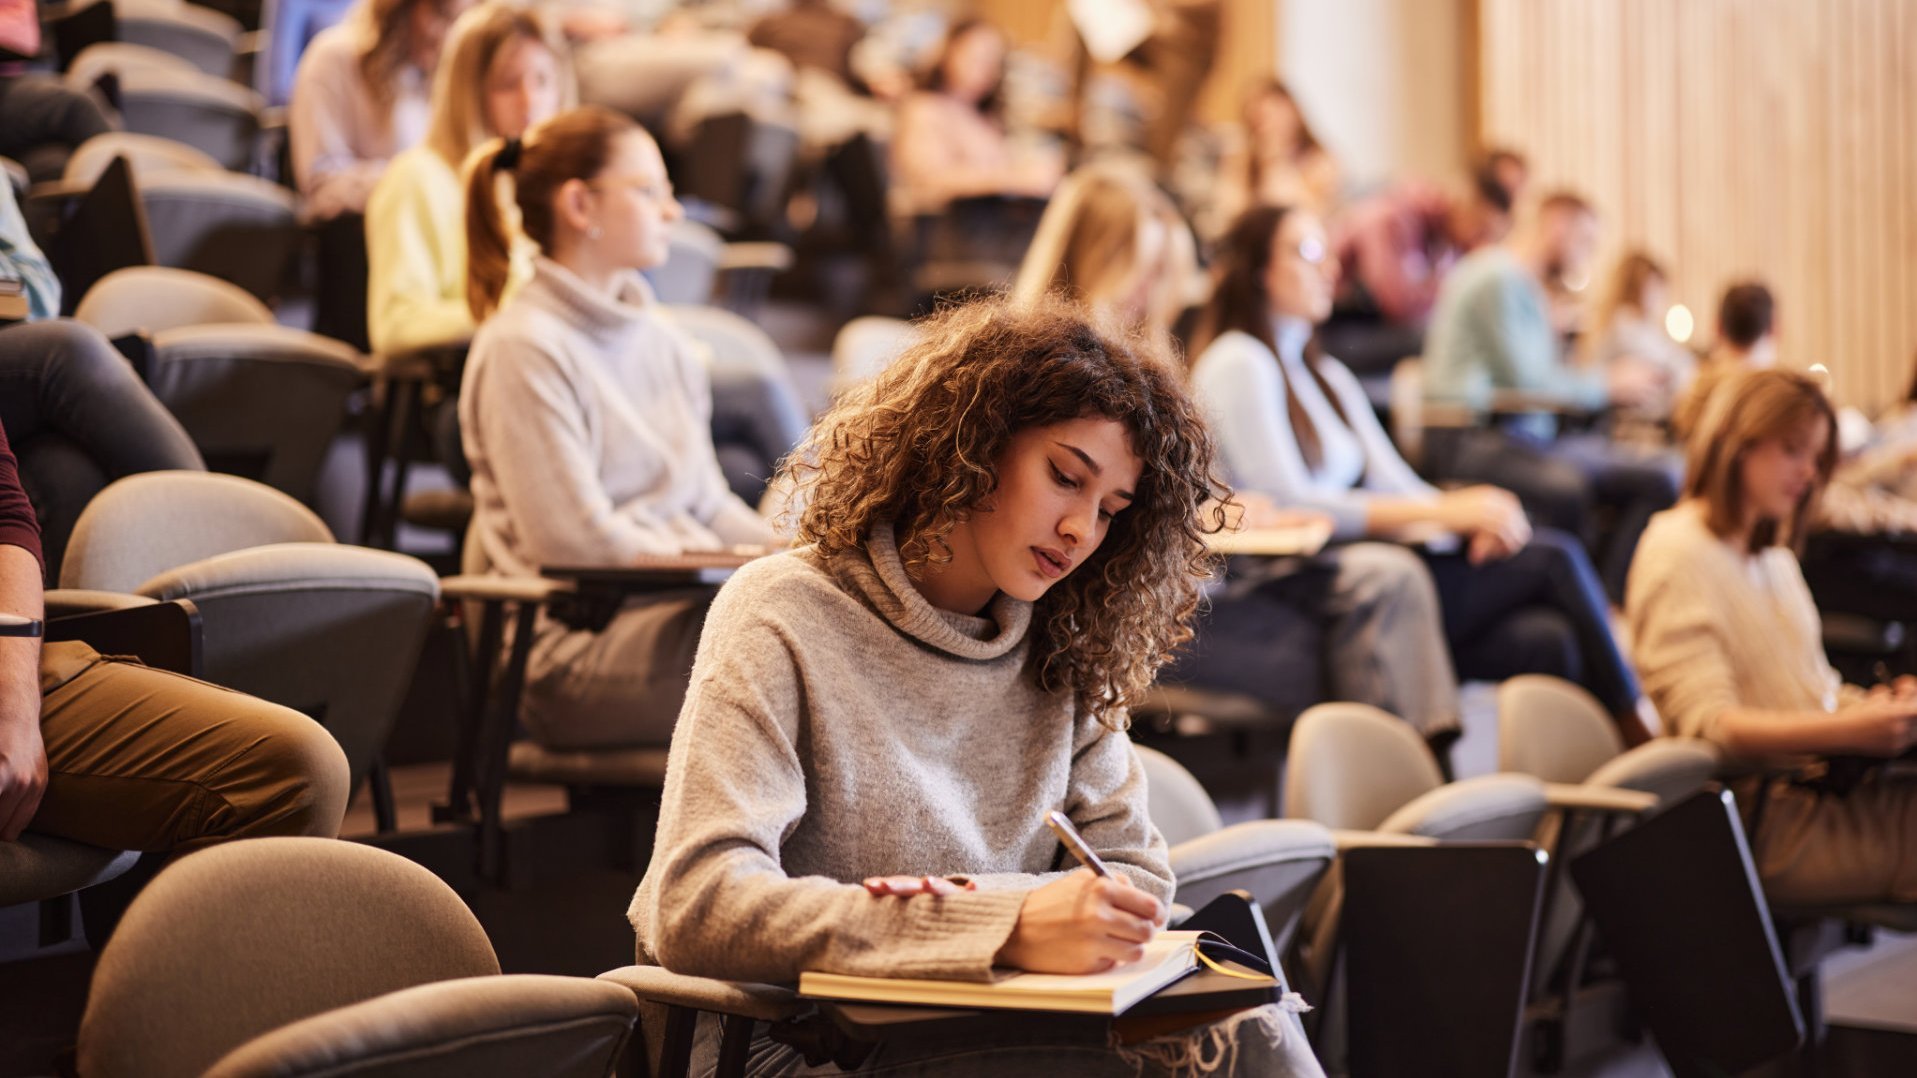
[(505, 70)]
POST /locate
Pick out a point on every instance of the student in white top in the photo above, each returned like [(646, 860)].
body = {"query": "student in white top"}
[(1288, 632), (505, 69), (1629, 326), (586, 416), (360, 96), (1294, 425), (1731, 649)]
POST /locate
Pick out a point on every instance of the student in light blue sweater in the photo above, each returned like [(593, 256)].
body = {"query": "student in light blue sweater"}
[(1492, 330), (1295, 426)]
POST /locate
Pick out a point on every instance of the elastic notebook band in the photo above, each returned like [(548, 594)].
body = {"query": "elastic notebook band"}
[(508, 158)]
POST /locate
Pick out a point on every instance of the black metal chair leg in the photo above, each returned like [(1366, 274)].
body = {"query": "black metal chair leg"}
[(379, 436), (675, 1056), (735, 1046), (473, 673), (379, 782), (495, 745)]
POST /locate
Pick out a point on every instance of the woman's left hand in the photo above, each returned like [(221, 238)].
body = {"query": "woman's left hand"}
[(905, 886)]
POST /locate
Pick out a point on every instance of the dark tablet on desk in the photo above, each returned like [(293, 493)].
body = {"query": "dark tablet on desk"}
[(637, 579)]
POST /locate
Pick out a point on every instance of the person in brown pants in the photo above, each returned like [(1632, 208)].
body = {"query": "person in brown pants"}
[(106, 751)]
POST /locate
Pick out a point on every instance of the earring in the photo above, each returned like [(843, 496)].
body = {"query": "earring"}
[(593, 232)]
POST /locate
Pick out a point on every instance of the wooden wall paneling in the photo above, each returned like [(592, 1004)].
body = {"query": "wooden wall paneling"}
[(1733, 138)]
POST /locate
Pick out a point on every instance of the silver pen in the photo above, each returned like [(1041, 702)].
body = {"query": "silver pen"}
[(1075, 842)]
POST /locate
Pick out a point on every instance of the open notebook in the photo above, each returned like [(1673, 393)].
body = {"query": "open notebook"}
[(1168, 957)]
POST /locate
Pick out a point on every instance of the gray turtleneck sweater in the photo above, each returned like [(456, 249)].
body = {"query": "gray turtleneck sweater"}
[(839, 726), (587, 421)]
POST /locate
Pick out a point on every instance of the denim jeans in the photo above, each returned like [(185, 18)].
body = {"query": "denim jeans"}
[(1539, 611), (45, 121), (79, 418)]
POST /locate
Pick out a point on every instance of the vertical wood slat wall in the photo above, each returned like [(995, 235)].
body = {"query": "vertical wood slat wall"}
[(1733, 139)]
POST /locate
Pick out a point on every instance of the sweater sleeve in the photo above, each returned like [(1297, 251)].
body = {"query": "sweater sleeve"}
[(1237, 380), (735, 789), (1385, 469), (1521, 350), (330, 174), (412, 243), (540, 455), (1678, 641), (18, 525)]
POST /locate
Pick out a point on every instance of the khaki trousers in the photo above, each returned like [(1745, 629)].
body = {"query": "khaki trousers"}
[(144, 759), (1815, 849)]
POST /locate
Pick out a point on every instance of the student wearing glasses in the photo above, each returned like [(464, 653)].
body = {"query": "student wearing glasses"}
[(586, 416), (1294, 425)]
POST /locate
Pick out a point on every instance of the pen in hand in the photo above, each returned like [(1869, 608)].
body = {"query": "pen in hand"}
[(1067, 834)]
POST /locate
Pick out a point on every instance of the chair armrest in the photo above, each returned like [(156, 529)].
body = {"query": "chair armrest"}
[(655, 984), (1486, 808), (163, 635), (66, 602), (1521, 401), (501, 589), (1604, 799), (769, 257), (1362, 840)]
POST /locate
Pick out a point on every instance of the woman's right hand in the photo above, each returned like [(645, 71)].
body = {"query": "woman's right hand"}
[(1492, 518), (1082, 923), (1882, 724)]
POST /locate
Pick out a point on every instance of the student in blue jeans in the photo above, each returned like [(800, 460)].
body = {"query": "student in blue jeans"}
[(1295, 426)]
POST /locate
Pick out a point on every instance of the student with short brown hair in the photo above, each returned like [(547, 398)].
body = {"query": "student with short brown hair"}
[(1729, 644)]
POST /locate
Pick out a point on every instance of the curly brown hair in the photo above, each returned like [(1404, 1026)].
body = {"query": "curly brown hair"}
[(918, 447)]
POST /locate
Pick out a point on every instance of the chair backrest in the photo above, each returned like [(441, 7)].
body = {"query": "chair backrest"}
[(143, 525), (1553, 729), (120, 58), (206, 38), (217, 115), (747, 367), (691, 268), (556, 1027), (264, 402), (245, 937), (867, 345), (148, 299), (238, 228), (149, 155), (1352, 765), (331, 631), (1178, 804)]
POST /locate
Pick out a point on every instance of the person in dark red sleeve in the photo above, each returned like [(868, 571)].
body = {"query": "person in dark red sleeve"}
[(108, 752)]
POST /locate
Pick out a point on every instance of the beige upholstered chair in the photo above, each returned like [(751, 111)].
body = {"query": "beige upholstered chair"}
[(259, 399), (867, 345), (306, 956), (289, 615), (149, 156), (757, 417), (120, 58)]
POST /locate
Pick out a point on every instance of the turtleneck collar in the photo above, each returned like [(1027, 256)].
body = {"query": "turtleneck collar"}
[(590, 310), (1291, 335), (880, 580)]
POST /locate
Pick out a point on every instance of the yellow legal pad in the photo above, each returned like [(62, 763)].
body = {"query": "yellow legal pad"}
[(1167, 958)]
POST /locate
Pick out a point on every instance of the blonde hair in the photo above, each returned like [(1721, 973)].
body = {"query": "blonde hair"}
[(1747, 408), (917, 448), (1087, 246), (459, 86), (575, 145)]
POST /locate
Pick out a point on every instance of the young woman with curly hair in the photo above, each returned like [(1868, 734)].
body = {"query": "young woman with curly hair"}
[(1003, 543)]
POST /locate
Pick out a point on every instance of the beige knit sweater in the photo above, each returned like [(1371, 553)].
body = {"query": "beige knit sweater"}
[(839, 726), (1714, 627)]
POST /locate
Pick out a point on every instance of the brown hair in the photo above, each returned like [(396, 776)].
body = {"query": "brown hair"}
[(917, 447), (1306, 143), (1747, 408), (459, 86), (1240, 301), (1746, 313), (934, 80), (1632, 275), (386, 42), (574, 145)]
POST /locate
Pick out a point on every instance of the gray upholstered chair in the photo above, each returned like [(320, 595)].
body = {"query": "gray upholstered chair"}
[(235, 227), (1558, 732), (289, 615), (259, 399), (120, 58), (690, 273), (1369, 776), (757, 416), (215, 114), (205, 38), (306, 956)]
